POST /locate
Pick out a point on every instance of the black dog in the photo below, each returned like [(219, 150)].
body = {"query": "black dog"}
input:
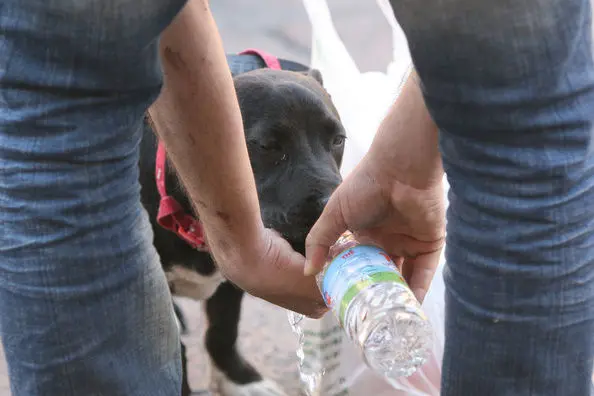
[(296, 142)]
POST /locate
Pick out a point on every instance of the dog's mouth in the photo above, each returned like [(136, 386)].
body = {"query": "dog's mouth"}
[(293, 228)]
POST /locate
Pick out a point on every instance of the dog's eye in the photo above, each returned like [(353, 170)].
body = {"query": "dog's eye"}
[(271, 146), (338, 140)]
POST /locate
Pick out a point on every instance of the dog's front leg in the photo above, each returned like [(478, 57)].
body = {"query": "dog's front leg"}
[(232, 374), (223, 311)]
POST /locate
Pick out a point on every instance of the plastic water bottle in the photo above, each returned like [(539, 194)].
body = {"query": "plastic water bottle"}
[(375, 307)]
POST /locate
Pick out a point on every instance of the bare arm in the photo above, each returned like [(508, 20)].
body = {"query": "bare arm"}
[(197, 116), (409, 127)]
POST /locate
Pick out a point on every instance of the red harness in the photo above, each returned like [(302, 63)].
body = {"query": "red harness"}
[(171, 215)]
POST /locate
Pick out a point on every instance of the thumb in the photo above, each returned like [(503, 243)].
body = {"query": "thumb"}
[(419, 272), (325, 232)]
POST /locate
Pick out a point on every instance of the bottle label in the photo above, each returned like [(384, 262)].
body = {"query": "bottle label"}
[(353, 270)]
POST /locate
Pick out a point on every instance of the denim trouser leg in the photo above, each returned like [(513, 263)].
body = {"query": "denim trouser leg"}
[(511, 86), (84, 306)]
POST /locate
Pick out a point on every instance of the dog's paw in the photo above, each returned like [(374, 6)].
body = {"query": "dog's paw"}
[(222, 385), (260, 388)]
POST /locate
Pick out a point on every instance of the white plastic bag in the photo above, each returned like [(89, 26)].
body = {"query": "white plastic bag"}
[(362, 100)]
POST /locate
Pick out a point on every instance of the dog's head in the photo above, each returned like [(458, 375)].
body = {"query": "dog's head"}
[(296, 142)]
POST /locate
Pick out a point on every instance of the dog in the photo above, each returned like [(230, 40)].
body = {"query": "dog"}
[(295, 141)]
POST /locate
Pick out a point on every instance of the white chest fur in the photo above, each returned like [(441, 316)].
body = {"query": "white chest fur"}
[(187, 283)]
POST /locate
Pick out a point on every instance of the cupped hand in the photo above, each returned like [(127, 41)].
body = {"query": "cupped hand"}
[(271, 270), (407, 222)]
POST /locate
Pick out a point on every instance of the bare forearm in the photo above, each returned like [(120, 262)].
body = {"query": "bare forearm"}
[(408, 125), (197, 117)]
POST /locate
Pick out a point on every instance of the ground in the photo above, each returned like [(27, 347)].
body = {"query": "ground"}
[(281, 28)]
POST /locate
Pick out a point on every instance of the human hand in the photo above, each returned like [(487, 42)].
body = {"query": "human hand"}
[(267, 267), (394, 198), (407, 222)]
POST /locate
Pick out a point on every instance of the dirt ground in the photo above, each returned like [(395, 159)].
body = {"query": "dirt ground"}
[(281, 28)]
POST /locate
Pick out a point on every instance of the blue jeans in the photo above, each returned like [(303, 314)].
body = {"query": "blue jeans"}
[(511, 86), (84, 305)]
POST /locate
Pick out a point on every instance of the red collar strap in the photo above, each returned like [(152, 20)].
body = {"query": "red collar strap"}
[(171, 215), (271, 61)]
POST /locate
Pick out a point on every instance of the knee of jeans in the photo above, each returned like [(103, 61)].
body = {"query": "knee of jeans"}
[(518, 250)]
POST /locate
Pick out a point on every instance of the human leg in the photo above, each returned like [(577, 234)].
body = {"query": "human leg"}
[(84, 304), (511, 86)]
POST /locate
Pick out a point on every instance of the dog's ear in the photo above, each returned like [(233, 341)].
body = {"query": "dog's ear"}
[(315, 74)]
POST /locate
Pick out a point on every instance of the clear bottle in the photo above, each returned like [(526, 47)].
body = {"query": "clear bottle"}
[(375, 307)]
